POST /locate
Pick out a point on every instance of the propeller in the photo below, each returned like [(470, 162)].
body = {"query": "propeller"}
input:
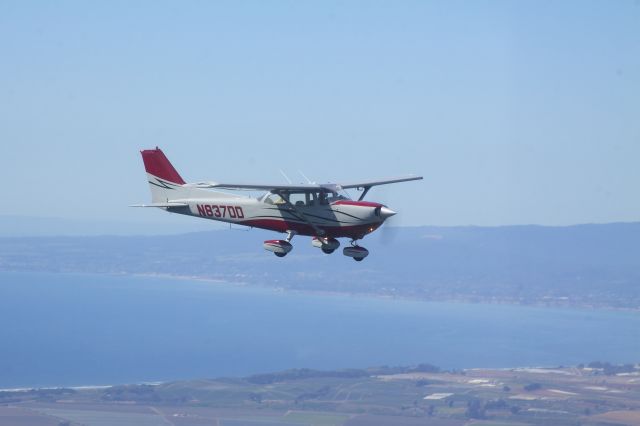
[(389, 230)]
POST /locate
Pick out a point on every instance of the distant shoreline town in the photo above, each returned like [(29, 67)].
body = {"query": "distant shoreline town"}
[(586, 266)]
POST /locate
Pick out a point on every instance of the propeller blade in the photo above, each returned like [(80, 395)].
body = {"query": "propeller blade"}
[(389, 231)]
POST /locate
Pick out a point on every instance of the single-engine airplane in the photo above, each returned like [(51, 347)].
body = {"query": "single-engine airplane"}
[(323, 211)]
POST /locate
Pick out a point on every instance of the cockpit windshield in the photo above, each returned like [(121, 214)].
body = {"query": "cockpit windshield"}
[(270, 198), (336, 196)]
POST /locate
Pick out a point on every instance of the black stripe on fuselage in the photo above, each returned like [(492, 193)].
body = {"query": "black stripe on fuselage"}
[(277, 217), (323, 218), (319, 217), (347, 214), (309, 214), (306, 222)]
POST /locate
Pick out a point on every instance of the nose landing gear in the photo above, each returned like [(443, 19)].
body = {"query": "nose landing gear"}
[(355, 251)]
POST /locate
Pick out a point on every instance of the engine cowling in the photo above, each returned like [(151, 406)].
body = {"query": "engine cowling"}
[(279, 247), (356, 252)]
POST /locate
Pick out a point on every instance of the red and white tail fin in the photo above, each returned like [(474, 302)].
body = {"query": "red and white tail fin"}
[(164, 180), (167, 187), (157, 164)]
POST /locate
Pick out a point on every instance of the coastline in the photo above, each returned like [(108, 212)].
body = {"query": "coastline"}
[(462, 299), (476, 300), (380, 310), (566, 370), (78, 388)]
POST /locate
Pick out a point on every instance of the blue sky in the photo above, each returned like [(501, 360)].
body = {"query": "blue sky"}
[(515, 112)]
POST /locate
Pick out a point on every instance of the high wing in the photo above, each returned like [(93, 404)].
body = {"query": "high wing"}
[(366, 185), (261, 187), (369, 184)]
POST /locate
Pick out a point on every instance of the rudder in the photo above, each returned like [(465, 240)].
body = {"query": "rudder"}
[(164, 180), (158, 165)]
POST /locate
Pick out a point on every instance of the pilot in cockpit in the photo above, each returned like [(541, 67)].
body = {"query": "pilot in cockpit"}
[(335, 196)]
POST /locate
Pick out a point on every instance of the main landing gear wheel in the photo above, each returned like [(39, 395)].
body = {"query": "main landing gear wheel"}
[(327, 244), (278, 247), (358, 259)]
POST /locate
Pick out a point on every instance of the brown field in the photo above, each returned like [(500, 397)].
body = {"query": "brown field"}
[(618, 417), (368, 420), (16, 416)]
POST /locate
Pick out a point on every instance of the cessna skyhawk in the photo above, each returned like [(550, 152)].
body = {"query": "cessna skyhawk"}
[(321, 211)]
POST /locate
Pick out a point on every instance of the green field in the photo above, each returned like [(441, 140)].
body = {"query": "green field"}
[(316, 419), (407, 397), (105, 418)]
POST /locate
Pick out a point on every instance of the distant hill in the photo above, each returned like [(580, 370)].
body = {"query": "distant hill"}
[(586, 264), (38, 226)]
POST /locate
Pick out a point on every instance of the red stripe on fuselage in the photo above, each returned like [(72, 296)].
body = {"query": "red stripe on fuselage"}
[(356, 203)]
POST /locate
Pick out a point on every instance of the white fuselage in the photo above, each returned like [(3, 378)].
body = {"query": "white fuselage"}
[(342, 218)]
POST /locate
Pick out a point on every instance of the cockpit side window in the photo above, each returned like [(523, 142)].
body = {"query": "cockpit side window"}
[(301, 199), (311, 199), (298, 199)]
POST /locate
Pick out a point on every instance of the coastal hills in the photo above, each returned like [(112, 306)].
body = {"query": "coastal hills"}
[(584, 265)]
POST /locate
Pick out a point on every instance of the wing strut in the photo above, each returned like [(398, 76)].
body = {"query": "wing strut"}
[(364, 192)]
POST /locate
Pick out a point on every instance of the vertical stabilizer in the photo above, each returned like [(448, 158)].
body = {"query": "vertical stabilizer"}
[(167, 185), (165, 182), (157, 164)]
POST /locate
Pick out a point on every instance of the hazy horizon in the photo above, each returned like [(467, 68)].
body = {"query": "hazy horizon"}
[(164, 224)]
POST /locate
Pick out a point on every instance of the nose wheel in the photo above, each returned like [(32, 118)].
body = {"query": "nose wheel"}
[(356, 252)]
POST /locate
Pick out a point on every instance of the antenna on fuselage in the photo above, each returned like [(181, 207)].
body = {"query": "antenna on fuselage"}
[(305, 177), (285, 176)]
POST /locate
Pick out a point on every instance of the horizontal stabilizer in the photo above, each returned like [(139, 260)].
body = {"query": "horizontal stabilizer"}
[(161, 205)]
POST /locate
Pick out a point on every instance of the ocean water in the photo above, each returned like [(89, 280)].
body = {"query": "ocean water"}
[(69, 330)]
